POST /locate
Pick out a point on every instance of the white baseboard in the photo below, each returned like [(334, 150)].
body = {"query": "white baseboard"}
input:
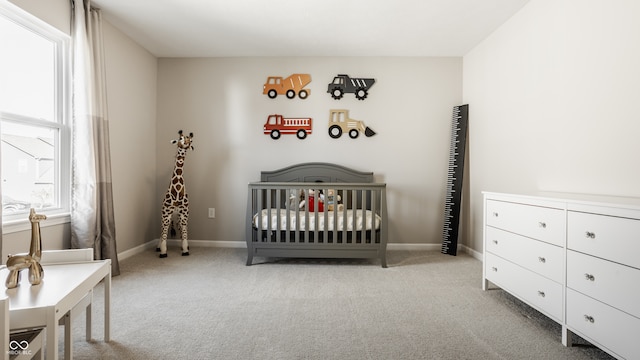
[(412, 247), (217, 243), (137, 250), (475, 254), (242, 245), (432, 247)]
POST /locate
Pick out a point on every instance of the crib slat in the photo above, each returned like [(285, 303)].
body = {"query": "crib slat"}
[(356, 207), (278, 215), (363, 215), (316, 215), (298, 214), (306, 216), (335, 214), (374, 202), (354, 213), (362, 210), (325, 215), (336, 193), (259, 208), (296, 235), (268, 207), (287, 235), (344, 215)]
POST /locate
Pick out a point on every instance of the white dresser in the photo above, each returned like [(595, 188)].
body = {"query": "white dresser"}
[(574, 258)]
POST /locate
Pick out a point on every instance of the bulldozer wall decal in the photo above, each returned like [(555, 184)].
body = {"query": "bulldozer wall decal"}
[(339, 122)]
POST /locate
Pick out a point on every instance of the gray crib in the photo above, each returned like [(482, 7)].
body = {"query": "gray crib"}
[(317, 210)]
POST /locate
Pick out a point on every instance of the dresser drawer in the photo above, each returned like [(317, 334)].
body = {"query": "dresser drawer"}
[(605, 326), (541, 223), (537, 291), (611, 283), (537, 256), (607, 237)]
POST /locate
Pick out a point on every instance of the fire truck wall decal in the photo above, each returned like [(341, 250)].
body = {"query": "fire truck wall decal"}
[(277, 125), (290, 86), (342, 84), (339, 122)]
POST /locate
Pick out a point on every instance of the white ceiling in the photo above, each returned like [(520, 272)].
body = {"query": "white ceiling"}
[(225, 28)]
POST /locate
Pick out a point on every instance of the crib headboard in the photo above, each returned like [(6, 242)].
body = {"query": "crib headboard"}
[(317, 172)]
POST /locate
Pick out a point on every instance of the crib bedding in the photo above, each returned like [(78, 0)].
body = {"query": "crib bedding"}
[(282, 219)]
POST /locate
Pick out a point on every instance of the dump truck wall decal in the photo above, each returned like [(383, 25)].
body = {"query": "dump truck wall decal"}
[(342, 84)]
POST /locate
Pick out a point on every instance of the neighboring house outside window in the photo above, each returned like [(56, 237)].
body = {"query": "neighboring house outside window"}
[(34, 124)]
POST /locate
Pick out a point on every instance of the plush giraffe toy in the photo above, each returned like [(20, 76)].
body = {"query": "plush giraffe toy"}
[(176, 198)]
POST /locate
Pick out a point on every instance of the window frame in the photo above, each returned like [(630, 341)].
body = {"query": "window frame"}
[(62, 122)]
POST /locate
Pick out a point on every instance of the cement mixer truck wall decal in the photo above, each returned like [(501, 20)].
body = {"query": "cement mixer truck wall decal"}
[(342, 84), (290, 86), (339, 122)]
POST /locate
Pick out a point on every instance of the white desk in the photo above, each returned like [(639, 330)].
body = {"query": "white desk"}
[(63, 286)]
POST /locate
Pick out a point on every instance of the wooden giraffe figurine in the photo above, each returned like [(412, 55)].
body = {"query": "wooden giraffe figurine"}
[(176, 198)]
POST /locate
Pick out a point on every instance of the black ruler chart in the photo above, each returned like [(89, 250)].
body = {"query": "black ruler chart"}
[(459, 125)]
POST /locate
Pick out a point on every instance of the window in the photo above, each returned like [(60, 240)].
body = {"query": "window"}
[(34, 104)]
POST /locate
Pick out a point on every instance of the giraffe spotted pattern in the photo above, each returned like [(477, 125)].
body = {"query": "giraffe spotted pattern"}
[(176, 198)]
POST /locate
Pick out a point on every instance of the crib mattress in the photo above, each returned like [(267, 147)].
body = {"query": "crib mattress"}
[(334, 221)]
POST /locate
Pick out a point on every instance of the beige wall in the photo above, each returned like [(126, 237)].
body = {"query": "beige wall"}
[(131, 89), (552, 98), (131, 81), (221, 101)]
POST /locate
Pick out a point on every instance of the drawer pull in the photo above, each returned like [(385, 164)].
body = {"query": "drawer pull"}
[(495, 214), (541, 259), (495, 242), (542, 225), (495, 269), (590, 235), (589, 277), (589, 319), (541, 293)]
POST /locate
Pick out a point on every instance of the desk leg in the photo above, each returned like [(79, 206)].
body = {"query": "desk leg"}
[(52, 334), (87, 332), (4, 330), (68, 343), (107, 307)]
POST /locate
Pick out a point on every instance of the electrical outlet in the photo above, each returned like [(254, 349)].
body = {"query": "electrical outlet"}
[(212, 213)]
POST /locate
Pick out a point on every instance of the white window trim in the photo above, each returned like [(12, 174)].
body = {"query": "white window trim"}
[(63, 110), (13, 226)]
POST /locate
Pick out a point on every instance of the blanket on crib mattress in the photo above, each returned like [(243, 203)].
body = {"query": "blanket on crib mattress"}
[(334, 220)]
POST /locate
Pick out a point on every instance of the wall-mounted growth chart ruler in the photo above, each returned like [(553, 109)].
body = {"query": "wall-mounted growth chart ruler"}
[(459, 125)]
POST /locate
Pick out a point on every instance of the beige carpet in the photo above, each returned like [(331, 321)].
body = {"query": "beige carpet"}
[(209, 305)]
